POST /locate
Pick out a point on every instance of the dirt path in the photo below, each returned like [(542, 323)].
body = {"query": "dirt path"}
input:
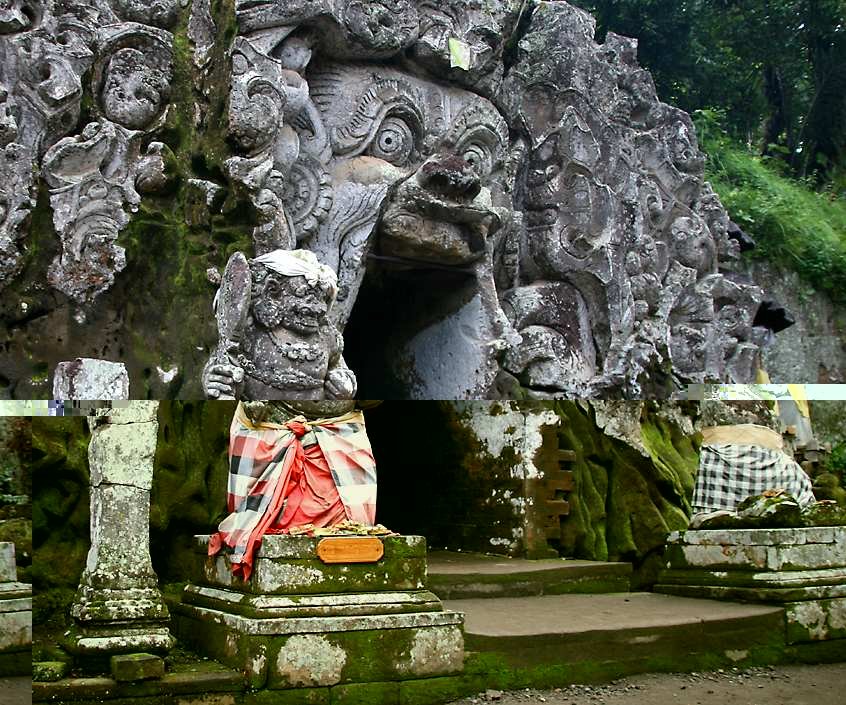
[(16, 691), (782, 685)]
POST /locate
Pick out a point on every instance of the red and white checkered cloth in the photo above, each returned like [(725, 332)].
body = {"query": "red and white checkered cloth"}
[(302, 472)]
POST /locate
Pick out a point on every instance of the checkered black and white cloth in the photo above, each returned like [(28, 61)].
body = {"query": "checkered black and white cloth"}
[(730, 473)]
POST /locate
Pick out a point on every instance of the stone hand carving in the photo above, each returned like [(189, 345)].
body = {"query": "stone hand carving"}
[(98, 175), (276, 337)]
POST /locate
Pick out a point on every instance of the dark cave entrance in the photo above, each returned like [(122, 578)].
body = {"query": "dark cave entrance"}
[(424, 488), (396, 307)]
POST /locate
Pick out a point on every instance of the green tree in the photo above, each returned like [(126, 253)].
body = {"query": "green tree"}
[(777, 68)]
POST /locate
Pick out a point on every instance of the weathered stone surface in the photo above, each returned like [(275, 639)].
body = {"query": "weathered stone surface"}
[(804, 569), (8, 570), (118, 607), (120, 454), (15, 624), (340, 604), (816, 620), (305, 624), (87, 378), (15, 613), (216, 686), (136, 667), (764, 537), (315, 651), (289, 566), (493, 157), (49, 671)]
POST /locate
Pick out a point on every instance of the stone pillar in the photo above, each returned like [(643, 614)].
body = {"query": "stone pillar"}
[(15, 617), (118, 607)]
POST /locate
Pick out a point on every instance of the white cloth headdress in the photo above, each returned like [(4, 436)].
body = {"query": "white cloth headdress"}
[(300, 263)]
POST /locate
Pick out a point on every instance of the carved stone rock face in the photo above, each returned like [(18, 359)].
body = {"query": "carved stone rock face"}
[(505, 203), (439, 149)]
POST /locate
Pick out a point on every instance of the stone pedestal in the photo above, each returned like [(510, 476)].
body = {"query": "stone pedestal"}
[(118, 607), (802, 569), (15, 617), (301, 623)]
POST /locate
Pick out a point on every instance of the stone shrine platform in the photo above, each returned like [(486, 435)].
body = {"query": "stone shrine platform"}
[(15, 617), (300, 622), (802, 569)]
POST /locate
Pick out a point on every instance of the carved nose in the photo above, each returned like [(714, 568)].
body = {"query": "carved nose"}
[(450, 176)]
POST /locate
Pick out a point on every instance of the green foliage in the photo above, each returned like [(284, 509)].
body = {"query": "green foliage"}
[(778, 68), (836, 462), (793, 224)]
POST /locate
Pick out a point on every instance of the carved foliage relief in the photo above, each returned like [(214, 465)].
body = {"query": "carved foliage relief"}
[(494, 138)]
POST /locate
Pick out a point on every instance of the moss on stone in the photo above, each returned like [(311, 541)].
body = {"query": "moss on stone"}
[(60, 501), (625, 501)]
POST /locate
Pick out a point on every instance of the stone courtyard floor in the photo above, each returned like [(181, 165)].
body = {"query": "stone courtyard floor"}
[(16, 691), (778, 685)]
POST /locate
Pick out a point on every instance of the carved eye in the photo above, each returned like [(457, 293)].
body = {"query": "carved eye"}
[(394, 141), (479, 157)]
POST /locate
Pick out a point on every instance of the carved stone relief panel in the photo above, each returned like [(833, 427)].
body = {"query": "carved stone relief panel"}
[(500, 202)]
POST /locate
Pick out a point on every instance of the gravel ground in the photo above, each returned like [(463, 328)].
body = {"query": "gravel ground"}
[(783, 685), (16, 691)]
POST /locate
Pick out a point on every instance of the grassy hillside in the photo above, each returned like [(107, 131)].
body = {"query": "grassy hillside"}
[(794, 225)]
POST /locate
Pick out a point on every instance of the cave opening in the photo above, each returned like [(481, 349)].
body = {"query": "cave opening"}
[(400, 314), (423, 486)]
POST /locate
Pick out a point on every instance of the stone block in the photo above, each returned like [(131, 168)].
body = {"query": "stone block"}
[(8, 571), (434, 691), (804, 569), (137, 667), (321, 652), (333, 605), (134, 411), (88, 378), (816, 620), (321, 659), (15, 624), (287, 565), (122, 454), (296, 696), (366, 694), (49, 671), (759, 549)]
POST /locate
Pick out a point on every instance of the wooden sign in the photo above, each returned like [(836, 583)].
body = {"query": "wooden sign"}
[(350, 549)]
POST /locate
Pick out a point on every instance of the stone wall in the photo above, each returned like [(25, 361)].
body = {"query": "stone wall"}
[(813, 350)]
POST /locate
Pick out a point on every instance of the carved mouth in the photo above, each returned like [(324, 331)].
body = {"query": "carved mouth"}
[(413, 236)]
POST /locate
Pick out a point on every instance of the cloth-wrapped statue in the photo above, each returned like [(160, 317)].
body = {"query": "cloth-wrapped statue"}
[(288, 467), (743, 456)]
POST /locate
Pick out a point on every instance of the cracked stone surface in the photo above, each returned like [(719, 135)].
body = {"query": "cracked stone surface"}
[(118, 607)]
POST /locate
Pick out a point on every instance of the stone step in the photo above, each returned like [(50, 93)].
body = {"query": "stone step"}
[(456, 576), (594, 637)]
